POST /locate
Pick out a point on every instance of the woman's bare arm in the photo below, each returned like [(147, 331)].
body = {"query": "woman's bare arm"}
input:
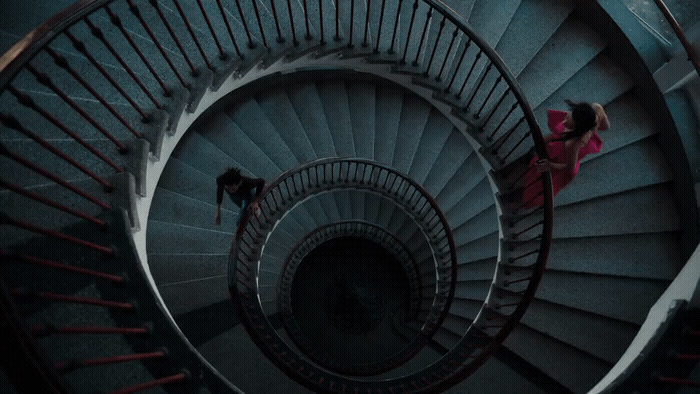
[(602, 118)]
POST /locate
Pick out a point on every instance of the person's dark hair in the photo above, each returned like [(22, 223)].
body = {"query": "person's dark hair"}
[(584, 117), (232, 176)]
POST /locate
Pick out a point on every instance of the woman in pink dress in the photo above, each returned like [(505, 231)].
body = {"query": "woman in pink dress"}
[(574, 135)]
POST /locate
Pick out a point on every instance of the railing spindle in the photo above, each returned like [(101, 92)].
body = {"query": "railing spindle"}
[(478, 86), (280, 39), (379, 28), (194, 37), (396, 27), (80, 47), (295, 42), (459, 65), (135, 10), (116, 21), (260, 26), (422, 37), (365, 44), (27, 101), (471, 70), (437, 42), (222, 54), (229, 30), (410, 32)]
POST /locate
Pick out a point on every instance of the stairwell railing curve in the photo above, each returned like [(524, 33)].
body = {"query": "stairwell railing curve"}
[(371, 232), (158, 84)]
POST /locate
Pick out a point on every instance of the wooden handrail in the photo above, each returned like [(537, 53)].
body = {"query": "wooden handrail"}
[(689, 49)]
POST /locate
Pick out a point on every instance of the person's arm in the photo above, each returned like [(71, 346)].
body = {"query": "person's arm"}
[(219, 200), (602, 118), (259, 185), (570, 165)]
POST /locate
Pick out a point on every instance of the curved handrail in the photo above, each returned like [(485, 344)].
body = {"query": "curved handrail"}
[(12, 61), (689, 49), (339, 229), (19, 56)]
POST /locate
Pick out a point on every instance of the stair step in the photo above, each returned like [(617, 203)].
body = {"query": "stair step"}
[(279, 110), (470, 175), (309, 109), (168, 206), (176, 238), (522, 38), (597, 178), (252, 121), (596, 335), (587, 85), (579, 374), (455, 152), (498, 377), (624, 299), (479, 249), (650, 256), (193, 294), (637, 211), (415, 113), (257, 374), (477, 270), (551, 68), (478, 226), (361, 101), (172, 268), (491, 18), (335, 105), (432, 140), (473, 203), (388, 116)]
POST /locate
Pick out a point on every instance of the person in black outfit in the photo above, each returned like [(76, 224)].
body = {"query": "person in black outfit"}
[(240, 189)]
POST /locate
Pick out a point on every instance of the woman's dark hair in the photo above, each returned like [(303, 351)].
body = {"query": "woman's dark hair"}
[(231, 177), (584, 117)]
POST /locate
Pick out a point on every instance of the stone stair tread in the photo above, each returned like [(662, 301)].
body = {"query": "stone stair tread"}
[(522, 38), (625, 299), (176, 238), (309, 109), (334, 98), (414, 116), (637, 211), (579, 374), (497, 376), (650, 256), (190, 295), (361, 101), (481, 224), (597, 335), (490, 19), (171, 268)]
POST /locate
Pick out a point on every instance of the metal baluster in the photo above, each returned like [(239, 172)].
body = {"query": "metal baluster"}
[(410, 31), (11, 122), (46, 174), (135, 10), (379, 29), (306, 21), (495, 107), (251, 44), (291, 24), (97, 32), (194, 36), (507, 136), (45, 263), (438, 78), (352, 23), (512, 108), (503, 160), (260, 26), (222, 54), (320, 18), (471, 70), (396, 27), (116, 21), (46, 81), (280, 39), (155, 4), (63, 63), (80, 47), (43, 200), (228, 29), (459, 65), (365, 44), (337, 20), (422, 37), (478, 86), (27, 101), (6, 220), (437, 41)]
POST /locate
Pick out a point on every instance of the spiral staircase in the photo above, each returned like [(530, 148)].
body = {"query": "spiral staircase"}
[(403, 123)]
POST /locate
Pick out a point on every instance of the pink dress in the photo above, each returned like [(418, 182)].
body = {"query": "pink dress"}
[(557, 153)]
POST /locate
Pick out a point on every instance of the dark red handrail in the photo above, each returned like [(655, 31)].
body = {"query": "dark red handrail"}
[(689, 49)]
